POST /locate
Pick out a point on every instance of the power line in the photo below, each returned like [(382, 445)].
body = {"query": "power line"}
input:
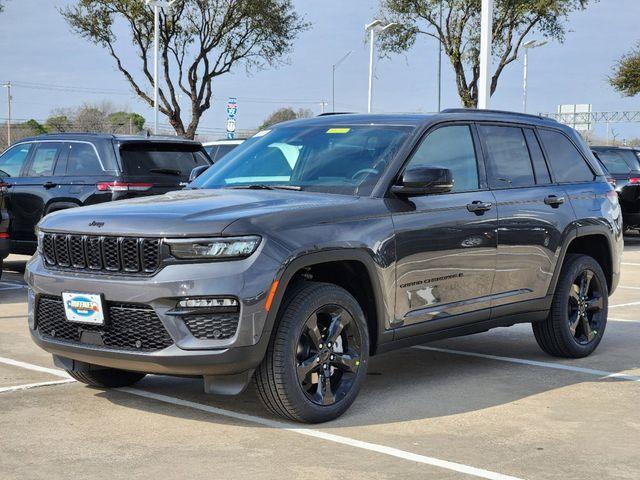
[(106, 91)]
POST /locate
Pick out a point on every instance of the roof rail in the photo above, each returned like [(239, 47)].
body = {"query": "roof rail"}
[(327, 114), (503, 112)]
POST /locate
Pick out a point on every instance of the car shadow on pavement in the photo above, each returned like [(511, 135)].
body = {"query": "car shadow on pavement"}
[(401, 386), (12, 285)]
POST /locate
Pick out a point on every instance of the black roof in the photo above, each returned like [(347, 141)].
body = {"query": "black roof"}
[(108, 136)]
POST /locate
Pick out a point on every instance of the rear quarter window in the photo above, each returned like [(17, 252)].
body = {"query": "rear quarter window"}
[(566, 161)]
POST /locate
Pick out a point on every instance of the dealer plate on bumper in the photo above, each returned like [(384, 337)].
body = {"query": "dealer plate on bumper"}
[(84, 307)]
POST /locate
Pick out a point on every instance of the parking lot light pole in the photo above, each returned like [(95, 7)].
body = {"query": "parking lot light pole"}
[(372, 28), (9, 100), (157, 5), (527, 46), (486, 30), (333, 80)]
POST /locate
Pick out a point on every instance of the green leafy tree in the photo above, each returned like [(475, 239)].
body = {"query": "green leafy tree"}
[(59, 123), (459, 32), (126, 122), (285, 114), (200, 40), (35, 127), (626, 75)]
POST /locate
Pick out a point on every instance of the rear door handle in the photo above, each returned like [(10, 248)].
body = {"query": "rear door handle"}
[(479, 207), (49, 185), (554, 201)]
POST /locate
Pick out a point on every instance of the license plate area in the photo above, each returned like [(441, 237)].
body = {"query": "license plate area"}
[(86, 308)]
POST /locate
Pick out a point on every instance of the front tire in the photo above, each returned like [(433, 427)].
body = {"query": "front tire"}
[(107, 378), (578, 316), (317, 356)]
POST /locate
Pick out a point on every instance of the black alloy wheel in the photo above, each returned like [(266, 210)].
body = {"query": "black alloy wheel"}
[(585, 307), (328, 354)]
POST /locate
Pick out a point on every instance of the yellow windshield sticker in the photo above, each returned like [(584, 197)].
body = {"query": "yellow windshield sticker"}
[(338, 130)]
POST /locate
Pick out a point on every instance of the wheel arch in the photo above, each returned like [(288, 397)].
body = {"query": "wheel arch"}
[(339, 267), (593, 243)]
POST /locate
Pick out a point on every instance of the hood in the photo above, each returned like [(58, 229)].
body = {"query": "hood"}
[(185, 213)]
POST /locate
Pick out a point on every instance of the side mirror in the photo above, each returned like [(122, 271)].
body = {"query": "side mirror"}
[(196, 172), (419, 181)]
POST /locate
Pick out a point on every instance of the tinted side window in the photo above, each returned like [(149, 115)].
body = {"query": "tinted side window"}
[(508, 161), (615, 161), (566, 161), (44, 160), (452, 148), (539, 165), (12, 161), (83, 160)]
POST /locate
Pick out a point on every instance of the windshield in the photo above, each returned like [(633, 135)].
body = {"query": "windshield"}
[(345, 160)]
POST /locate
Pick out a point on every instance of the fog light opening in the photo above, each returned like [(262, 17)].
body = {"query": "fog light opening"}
[(208, 303)]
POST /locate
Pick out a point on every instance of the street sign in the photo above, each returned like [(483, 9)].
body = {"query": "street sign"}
[(232, 111)]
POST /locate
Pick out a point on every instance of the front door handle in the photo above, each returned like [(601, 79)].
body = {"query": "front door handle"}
[(554, 201), (49, 185), (479, 207)]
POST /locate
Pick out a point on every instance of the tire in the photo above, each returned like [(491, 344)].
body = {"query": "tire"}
[(1, 267), (107, 378), (555, 335), (292, 346)]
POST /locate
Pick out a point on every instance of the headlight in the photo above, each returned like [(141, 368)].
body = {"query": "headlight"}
[(223, 248), (40, 237)]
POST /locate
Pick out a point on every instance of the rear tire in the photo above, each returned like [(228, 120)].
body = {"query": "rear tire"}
[(107, 378), (317, 356), (577, 319)]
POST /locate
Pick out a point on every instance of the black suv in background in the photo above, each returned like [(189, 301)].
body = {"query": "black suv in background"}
[(55, 172), (4, 224), (623, 164)]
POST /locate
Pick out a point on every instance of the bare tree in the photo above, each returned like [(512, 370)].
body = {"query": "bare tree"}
[(199, 41), (459, 32)]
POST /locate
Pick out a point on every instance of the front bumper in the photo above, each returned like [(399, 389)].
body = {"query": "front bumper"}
[(248, 280)]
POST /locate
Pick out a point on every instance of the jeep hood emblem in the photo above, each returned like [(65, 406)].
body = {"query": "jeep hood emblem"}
[(96, 224)]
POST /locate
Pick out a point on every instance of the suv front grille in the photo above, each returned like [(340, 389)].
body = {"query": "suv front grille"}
[(128, 255), (127, 327)]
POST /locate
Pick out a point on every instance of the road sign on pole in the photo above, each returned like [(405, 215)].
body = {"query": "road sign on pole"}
[(232, 111)]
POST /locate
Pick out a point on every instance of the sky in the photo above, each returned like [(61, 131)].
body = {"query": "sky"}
[(37, 46)]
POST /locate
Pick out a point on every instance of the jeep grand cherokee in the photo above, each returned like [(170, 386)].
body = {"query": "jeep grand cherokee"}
[(325, 241)]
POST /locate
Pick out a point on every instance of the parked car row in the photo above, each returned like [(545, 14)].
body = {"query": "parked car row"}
[(48, 173)]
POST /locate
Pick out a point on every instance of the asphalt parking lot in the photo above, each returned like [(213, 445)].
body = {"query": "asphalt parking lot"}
[(486, 406)]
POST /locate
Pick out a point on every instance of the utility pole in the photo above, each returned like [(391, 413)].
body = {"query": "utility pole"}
[(9, 100), (440, 62), (486, 36), (157, 5)]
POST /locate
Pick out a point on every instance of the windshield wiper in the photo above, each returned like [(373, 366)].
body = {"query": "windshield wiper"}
[(262, 186), (167, 171)]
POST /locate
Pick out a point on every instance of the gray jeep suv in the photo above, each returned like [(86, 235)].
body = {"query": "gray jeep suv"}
[(324, 241)]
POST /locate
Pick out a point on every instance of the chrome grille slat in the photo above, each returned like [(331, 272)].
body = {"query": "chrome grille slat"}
[(123, 255)]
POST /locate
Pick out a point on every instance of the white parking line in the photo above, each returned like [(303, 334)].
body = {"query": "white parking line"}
[(624, 305), (373, 447), (36, 368), (394, 452), (631, 264), (29, 386), (628, 287), (628, 320), (535, 363)]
